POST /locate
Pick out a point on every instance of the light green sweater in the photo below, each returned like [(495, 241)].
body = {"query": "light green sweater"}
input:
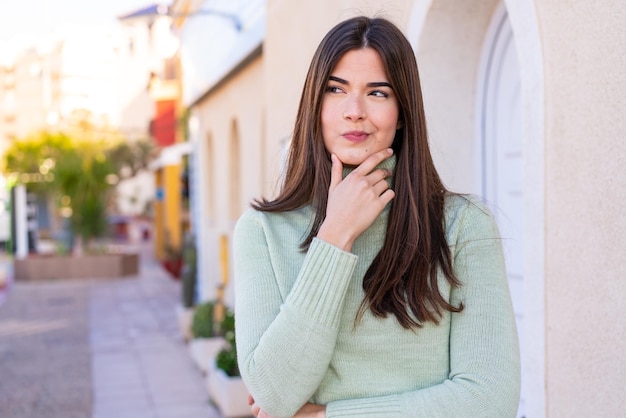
[(297, 340)]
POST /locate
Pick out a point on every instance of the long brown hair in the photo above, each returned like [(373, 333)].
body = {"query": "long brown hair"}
[(402, 279)]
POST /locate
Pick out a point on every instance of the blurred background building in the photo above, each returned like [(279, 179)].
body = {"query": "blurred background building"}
[(83, 75)]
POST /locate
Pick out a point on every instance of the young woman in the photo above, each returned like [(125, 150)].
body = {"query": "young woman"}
[(366, 289)]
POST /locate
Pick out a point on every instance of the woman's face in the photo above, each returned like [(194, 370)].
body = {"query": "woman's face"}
[(359, 108)]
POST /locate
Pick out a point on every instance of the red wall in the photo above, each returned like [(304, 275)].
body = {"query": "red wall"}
[(163, 127)]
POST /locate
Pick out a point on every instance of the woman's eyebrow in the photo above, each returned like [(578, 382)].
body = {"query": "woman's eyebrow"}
[(379, 84), (338, 80), (372, 84)]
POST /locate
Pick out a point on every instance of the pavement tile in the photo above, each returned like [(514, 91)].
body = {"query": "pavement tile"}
[(105, 396), (184, 410), (116, 412), (124, 403)]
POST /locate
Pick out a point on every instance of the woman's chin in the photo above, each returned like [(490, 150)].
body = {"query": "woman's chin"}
[(351, 160)]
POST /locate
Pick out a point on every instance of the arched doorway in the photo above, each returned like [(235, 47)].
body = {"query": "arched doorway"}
[(499, 119)]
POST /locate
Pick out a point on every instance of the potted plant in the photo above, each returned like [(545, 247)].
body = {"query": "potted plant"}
[(224, 383), (172, 260), (206, 341), (185, 310)]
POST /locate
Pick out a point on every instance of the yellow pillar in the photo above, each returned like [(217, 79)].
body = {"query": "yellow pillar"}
[(173, 204), (220, 308)]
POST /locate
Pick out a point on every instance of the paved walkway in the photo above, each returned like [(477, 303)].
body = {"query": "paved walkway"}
[(100, 348)]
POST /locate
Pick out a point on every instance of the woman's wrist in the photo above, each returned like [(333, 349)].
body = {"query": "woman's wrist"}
[(334, 237)]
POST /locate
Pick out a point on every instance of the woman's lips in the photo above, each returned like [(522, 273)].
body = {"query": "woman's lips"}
[(355, 136)]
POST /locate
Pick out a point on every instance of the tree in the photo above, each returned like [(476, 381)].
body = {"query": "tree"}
[(31, 160), (131, 157), (86, 176), (78, 170)]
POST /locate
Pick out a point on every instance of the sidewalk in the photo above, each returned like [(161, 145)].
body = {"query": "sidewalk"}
[(100, 348)]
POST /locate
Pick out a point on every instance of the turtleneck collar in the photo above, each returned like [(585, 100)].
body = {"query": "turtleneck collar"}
[(389, 164)]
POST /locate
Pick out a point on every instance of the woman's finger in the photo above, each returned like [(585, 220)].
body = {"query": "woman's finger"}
[(377, 176), (380, 187), (373, 160), (336, 174)]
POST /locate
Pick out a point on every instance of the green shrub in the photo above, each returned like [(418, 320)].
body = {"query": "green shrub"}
[(189, 272), (227, 360), (227, 357), (227, 326), (202, 322)]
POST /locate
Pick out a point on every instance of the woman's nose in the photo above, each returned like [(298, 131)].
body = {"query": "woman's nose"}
[(354, 109)]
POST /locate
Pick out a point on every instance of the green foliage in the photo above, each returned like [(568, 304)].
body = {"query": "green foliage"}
[(202, 322), (79, 168), (84, 175), (131, 157), (227, 358), (189, 271), (227, 361), (227, 326), (32, 159)]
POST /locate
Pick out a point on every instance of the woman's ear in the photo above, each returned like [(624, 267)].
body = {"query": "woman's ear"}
[(400, 124)]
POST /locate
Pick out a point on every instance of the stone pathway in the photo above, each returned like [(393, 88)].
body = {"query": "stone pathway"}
[(100, 348), (141, 368), (45, 359)]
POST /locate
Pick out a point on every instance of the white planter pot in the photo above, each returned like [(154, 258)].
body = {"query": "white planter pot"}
[(229, 393), (185, 317), (204, 350)]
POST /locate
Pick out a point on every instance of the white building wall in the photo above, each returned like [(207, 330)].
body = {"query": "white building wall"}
[(213, 45), (213, 154)]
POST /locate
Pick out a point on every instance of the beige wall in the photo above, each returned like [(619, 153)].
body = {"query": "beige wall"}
[(449, 85), (584, 48), (231, 112)]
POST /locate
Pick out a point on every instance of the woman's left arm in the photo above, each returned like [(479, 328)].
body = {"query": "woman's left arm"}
[(484, 378)]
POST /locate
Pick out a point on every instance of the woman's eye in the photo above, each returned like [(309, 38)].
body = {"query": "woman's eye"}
[(379, 93), (333, 89)]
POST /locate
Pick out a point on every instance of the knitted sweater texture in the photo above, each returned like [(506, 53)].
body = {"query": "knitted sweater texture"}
[(297, 339)]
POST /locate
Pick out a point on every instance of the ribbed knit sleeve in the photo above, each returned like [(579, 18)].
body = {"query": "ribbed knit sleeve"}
[(285, 337), (321, 285), (484, 376)]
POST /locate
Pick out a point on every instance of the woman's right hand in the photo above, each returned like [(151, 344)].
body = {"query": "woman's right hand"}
[(309, 410), (356, 201), (256, 409)]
